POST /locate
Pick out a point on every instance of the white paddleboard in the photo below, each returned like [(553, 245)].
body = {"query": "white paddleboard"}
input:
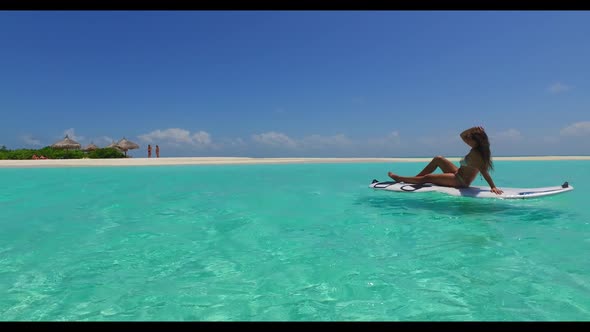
[(475, 191)]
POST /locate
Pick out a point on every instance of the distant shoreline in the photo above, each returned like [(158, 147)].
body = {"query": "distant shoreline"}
[(238, 161)]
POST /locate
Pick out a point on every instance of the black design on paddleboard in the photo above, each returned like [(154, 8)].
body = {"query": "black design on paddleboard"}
[(384, 184)]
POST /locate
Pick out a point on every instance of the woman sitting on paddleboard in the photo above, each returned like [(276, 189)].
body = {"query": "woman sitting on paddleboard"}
[(479, 159)]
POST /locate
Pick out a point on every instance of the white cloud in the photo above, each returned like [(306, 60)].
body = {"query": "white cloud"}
[(176, 136), (29, 140), (315, 144), (558, 87), (72, 134), (201, 138), (274, 139), (508, 135), (577, 129), (311, 142)]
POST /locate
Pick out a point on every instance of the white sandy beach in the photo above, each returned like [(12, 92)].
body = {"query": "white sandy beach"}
[(238, 160)]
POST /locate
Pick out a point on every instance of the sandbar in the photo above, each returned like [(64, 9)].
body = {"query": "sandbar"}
[(169, 161)]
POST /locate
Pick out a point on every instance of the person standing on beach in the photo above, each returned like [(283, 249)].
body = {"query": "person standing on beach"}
[(149, 150), (478, 160), (157, 151)]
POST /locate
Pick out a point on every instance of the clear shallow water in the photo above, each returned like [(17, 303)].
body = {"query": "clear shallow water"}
[(301, 242)]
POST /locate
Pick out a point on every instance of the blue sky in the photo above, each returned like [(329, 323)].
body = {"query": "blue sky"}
[(297, 83)]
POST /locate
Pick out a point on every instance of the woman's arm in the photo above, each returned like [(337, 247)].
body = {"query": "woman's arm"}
[(488, 178), (466, 135)]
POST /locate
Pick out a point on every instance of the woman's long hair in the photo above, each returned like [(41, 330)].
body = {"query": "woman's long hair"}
[(483, 146)]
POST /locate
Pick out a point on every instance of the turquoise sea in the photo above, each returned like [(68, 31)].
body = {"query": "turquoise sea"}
[(297, 242)]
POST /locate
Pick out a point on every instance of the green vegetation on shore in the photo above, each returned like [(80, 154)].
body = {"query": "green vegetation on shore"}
[(51, 153)]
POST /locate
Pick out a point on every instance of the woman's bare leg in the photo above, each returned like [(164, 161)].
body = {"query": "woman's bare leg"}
[(445, 179), (439, 161)]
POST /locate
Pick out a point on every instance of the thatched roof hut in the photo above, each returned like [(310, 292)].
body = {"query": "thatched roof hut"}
[(114, 146), (125, 145), (66, 143), (91, 147)]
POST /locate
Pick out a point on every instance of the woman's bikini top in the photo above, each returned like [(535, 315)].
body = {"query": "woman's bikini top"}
[(465, 161)]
